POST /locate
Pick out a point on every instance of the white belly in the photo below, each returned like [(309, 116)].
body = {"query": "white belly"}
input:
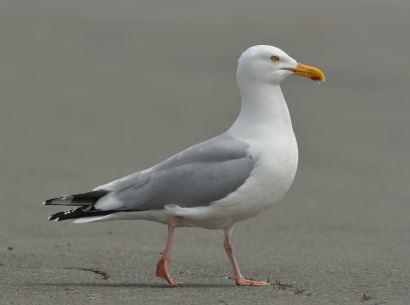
[(269, 181)]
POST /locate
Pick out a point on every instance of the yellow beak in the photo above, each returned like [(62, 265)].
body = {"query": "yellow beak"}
[(307, 71)]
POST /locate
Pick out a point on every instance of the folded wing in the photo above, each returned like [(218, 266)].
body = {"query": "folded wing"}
[(194, 177)]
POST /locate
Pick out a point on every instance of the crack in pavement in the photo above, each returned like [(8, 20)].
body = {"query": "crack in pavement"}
[(105, 275)]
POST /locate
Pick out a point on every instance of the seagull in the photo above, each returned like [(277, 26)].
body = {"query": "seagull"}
[(219, 182)]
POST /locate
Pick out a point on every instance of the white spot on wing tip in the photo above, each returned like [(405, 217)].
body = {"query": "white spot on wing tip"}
[(44, 202)]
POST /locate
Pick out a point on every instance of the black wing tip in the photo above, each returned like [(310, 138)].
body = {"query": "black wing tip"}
[(58, 200), (82, 199), (54, 217), (79, 213), (48, 201), (66, 215)]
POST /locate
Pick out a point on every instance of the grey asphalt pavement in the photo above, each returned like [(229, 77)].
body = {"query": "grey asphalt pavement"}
[(93, 90)]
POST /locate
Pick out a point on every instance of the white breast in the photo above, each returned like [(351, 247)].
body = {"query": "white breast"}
[(274, 172)]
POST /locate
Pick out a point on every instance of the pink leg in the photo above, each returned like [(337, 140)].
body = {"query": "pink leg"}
[(162, 265), (239, 279)]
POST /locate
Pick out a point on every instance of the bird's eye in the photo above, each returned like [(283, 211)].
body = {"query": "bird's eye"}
[(274, 58)]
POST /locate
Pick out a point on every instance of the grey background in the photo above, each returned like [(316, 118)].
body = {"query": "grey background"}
[(93, 90)]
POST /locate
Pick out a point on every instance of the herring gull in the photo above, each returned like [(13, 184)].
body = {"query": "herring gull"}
[(219, 182)]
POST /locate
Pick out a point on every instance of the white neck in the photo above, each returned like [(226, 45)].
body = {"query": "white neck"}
[(264, 110)]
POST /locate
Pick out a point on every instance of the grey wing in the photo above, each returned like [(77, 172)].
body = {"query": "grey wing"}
[(194, 177)]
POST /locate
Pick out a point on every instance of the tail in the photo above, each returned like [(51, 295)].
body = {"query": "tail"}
[(85, 201), (81, 212)]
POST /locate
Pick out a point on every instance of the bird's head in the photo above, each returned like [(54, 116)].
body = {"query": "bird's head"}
[(269, 64)]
